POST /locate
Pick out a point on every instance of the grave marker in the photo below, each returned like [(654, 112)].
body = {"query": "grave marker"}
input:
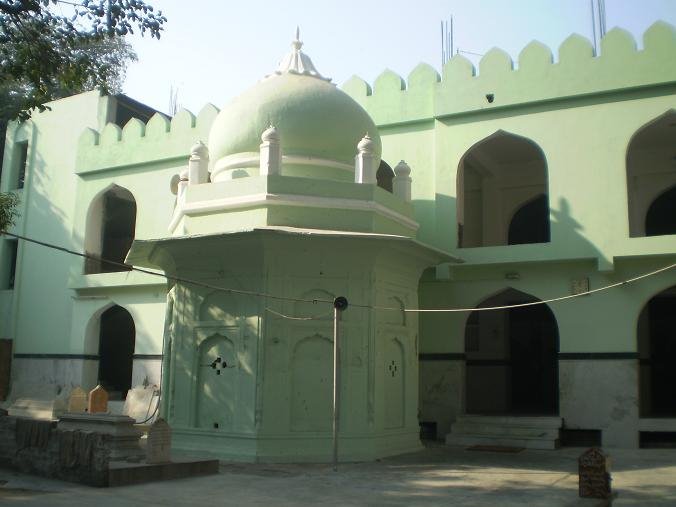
[(594, 474), (98, 400), (158, 446), (77, 401)]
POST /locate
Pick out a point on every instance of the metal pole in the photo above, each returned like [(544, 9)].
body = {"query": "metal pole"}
[(443, 54), (336, 382), (596, 50), (451, 45), (339, 305)]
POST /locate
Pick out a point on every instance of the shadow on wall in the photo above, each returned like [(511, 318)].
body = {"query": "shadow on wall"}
[(568, 239)]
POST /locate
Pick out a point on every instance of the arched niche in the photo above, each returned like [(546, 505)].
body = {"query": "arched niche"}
[(502, 178), (651, 178), (111, 223), (217, 378), (512, 357), (117, 341), (384, 176), (312, 384), (394, 383), (656, 337)]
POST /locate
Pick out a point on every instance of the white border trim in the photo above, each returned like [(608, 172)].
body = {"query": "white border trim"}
[(248, 160), (263, 199)]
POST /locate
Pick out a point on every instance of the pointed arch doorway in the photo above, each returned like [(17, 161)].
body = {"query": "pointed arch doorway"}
[(512, 358)]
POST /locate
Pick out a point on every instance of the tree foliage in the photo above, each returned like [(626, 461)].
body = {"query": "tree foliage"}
[(8, 213), (45, 53)]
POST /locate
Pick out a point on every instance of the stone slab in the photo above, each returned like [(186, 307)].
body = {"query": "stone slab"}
[(124, 436), (37, 409), (124, 474)]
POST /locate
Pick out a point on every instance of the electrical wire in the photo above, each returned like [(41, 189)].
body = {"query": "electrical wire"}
[(316, 317), (521, 305), (165, 276), (356, 305)]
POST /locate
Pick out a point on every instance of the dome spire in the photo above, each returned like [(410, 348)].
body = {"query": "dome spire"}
[(297, 62)]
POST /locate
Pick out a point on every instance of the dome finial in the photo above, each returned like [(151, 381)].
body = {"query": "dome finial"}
[(297, 43), (297, 62)]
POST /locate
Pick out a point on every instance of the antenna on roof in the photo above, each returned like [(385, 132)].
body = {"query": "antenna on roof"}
[(446, 41), (598, 14)]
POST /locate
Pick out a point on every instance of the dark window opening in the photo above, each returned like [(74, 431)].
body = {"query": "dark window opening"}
[(657, 351), (9, 264), (23, 160), (650, 172), (512, 358), (13, 249), (116, 351), (530, 223), (661, 216), (111, 232), (657, 439), (502, 173), (384, 176), (580, 438)]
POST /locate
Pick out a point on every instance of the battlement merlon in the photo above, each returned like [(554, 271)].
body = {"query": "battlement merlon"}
[(161, 139), (578, 73)]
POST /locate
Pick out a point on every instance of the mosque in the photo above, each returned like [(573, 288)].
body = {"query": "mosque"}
[(538, 187)]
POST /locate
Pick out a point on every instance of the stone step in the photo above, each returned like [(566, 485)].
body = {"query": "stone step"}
[(498, 429), (508, 431), (527, 443), (520, 421)]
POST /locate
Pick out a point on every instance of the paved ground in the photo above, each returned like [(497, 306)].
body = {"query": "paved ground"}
[(438, 475)]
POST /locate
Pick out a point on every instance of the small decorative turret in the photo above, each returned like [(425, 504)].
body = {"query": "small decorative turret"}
[(364, 163), (198, 164), (270, 152), (401, 183)]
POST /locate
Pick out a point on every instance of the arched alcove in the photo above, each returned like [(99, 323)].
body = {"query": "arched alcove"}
[(501, 179), (656, 336), (384, 176), (111, 223), (394, 384), (117, 340), (512, 357), (216, 383), (651, 178), (312, 384)]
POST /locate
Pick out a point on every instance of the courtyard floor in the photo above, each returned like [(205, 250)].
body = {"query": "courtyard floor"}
[(437, 475)]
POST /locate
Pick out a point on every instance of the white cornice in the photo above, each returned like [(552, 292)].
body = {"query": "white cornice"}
[(266, 199)]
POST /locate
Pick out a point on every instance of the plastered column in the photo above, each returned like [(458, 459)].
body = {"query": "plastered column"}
[(270, 152), (365, 162)]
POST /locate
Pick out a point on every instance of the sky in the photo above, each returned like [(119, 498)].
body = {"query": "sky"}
[(211, 51)]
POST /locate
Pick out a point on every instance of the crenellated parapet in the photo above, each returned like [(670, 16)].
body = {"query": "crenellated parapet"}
[(536, 78), (160, 139)]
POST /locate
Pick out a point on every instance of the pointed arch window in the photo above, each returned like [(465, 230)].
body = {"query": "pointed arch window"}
[(651, 178), (502, 196), (111, 224)]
